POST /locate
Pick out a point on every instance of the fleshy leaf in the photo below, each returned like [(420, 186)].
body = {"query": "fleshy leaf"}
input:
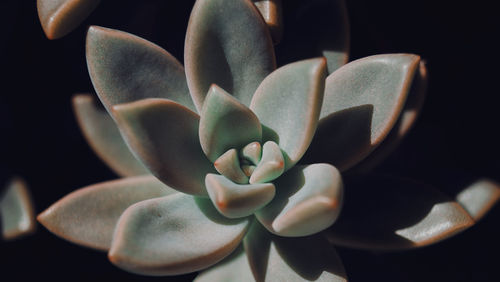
[(248, 169), (229, 165), (308, 200), (362, 102), (406, 120), (235, 267), (174, 235), (88, 216), (271, 11), (225, 124), (271, 166), (101, 133), (17, 215), (164, 136), (274, 258), (60, 17), (236, 200), (252, 152), (389, 213), (126, 68), (479, 197), (288, 103), (228, 44), (316, 28)]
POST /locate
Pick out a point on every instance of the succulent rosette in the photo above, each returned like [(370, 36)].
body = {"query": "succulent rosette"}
[(246, 159)]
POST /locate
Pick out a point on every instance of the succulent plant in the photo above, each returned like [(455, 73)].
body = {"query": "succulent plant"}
[(17, 215), (278, 139)]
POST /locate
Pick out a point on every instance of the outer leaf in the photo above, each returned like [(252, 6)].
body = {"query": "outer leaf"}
[(388, 213), (173, 235), (479, 197), (274, 258), (101, 133), (164, 136), (363, 101), (126, 68), (235, 200), (288, 103), (272, 13), (316, 28), (233, 268), (225, 124), (16, 210), (59, 17), (308, 199), (406, 121), (89, 215), (227, 43)]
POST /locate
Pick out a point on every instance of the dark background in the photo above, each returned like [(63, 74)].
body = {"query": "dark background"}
[(454, 141)]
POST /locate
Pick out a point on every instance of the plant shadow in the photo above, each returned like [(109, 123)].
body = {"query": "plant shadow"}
[(342, 138)]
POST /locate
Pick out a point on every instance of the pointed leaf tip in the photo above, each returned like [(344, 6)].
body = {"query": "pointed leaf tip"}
[(88, 216), (126, 68), (60, 17), (164, 136), (271, 11)]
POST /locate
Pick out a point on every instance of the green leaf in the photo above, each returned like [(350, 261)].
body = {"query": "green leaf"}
[(362, 102), (17, 215), (228, 44), (60, 17), (479, 197), (288, 103), (126, 68), (174, 235), (237, 200), (407, 119), (89, 215), (164, 136), (225, 124), (100, 131), (308, 200)]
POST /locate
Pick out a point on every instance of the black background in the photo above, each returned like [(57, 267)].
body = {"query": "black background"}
[(454, 141)]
